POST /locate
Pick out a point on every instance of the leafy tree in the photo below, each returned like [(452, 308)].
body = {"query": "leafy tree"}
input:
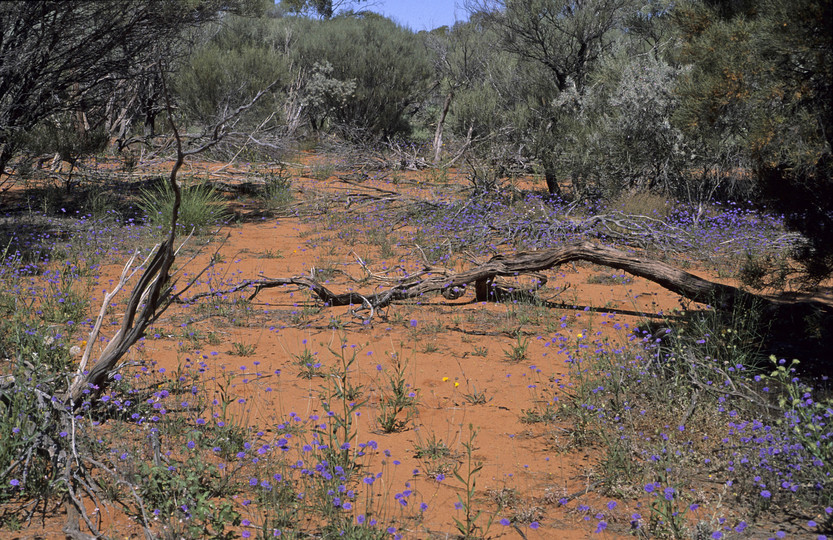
[(324, 9), (387, 63), (460, 56), (70, 56), (486, 90), (792, 132), (565, 36), (761, 84), (619, 132), (560, 41), (715, 94)]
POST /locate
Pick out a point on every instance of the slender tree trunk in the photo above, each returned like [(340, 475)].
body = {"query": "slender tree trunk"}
[(6, 153), (552, 181), (150, 124), (438, 135)]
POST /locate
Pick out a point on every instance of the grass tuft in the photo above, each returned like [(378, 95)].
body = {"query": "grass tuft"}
[(202, 207)]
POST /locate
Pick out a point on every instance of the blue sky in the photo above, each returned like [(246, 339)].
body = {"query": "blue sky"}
[(420, 14)]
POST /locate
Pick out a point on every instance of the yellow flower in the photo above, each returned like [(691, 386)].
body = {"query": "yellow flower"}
[(445, 379), (580, 336), (456, 384)]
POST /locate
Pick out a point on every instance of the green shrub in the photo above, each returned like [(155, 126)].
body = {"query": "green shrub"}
[(380, 65), (276, 193), (241, 57), (201, 207), (761, 271), (60, 135), (322, 171)]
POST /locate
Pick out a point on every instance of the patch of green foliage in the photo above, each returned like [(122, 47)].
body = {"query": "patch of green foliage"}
[(201, 208)]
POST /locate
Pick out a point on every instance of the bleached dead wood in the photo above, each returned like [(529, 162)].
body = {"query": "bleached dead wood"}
[(153, 292), (481, 277)]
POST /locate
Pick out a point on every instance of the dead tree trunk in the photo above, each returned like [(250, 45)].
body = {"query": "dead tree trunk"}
[(150, 298), (675, 280), (153, 293), (438, 134), (453, 284)]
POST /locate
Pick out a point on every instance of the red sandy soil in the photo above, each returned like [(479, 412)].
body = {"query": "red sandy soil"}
[(445, 362), (536, 461)]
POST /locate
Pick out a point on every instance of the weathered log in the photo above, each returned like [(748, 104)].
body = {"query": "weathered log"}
[(433, 279)]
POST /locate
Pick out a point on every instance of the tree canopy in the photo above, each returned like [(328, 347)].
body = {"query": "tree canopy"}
[(759, 91), (701, 100), (72, 56)]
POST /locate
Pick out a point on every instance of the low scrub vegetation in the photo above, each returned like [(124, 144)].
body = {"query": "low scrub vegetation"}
[(691, 414), (296, 270)]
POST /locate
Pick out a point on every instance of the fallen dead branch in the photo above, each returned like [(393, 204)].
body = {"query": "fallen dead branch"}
[(452, 285)]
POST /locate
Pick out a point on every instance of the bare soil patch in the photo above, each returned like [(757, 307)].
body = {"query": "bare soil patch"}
[(476, 372)]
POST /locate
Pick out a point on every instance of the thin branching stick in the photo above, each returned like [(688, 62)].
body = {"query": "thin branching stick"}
[(105, 304)]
